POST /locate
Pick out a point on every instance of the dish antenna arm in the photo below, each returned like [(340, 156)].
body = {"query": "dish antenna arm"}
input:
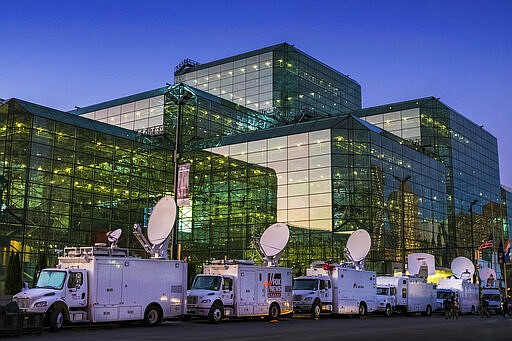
[(137, 232)]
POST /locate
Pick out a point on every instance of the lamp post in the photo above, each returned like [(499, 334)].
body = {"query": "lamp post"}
[(179, 95), (471, 204), (402, 218)]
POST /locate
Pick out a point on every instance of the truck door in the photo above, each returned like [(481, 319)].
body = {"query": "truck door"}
[(227, 291), (76, 288), (109, 283), (325, 291)]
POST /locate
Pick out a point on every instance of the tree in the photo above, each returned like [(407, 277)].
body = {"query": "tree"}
[(41, 264), (13, 282)]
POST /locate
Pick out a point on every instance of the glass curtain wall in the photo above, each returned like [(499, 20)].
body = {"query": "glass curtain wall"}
[(67, 184)]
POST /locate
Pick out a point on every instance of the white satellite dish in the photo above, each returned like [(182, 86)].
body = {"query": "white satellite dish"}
[(417, 260), (358, 245), (462, 267), (485, 273), (161, 220), (272, 242), (274, 239), (113, 236)]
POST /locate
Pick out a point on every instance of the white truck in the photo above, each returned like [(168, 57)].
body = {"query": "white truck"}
[(494, 298), (100, 284), (238, 288), (336, 289), (465, 292), (412, 294), (386, 299)]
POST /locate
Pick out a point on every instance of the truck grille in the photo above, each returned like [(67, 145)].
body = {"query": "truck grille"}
[(192, 300), (23, 302), (297, 297)]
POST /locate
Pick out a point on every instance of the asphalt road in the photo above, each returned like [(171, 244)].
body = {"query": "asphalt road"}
[(397, 328)]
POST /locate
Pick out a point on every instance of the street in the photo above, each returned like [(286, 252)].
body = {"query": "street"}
[(373, 327)]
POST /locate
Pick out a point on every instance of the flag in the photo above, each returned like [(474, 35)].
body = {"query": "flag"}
[(501, 254), (506, 251), (488, 244)]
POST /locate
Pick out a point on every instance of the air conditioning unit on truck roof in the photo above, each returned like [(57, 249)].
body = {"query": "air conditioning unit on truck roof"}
[(338, 288), (238, 288), (101, 284)]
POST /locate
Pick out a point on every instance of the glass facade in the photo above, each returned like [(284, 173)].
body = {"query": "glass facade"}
[(68, 180), (337, 175), (280, 81), (143, 112), (470, 155)]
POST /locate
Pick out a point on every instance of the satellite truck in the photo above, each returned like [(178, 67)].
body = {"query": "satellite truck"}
[(239, 288), (344, 289), (459, 287), (409, 294), (103, 283), (489, 292)]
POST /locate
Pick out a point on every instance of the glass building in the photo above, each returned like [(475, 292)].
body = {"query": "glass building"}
[(280, 81), (271, 135), (470, 155)]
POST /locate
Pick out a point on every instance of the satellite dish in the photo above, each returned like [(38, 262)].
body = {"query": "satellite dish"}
[(416, 260), (358, 245), (161, 220), (462, 267), (113, 236), (274, 239), (485, 273)]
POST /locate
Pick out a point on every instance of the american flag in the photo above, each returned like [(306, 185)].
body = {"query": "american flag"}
[(489, 243)]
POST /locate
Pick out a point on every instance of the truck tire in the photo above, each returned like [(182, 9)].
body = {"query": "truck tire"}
[(362, 309), (388, 311), (316, 309), (216, 312), (152, 315), (56, 319), (274, 311), (428, 311)]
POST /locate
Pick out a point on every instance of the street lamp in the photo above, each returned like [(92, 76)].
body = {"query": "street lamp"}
[(179, 95), (472, 235), (402, 199)]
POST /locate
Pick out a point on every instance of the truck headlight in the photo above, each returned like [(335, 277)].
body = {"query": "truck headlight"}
[(308, 299), (41, 304), (205, 301)]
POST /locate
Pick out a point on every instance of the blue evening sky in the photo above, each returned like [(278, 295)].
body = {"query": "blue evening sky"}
[(75, 53)]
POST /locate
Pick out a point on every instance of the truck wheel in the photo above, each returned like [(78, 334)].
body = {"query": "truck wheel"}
[(387, 311), (428, 311), (152, 316), (56, 319), (316, 310), (216, 313), (362, 309), (273, 312)]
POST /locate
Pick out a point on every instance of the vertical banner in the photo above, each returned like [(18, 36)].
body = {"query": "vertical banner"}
[(182, 198)]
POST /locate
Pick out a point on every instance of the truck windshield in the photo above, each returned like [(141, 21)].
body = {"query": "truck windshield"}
[(491, 297), (444, 295), (305, 284), (51, 279), (382, 291), (207, 283)]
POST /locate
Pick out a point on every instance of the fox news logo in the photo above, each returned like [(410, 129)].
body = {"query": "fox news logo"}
[(274, 285)]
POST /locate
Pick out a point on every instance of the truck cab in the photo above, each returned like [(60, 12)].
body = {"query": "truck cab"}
[(209, 295), (493, 297), (58, 293), (386, 299), (312, 294), (442, 295)]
